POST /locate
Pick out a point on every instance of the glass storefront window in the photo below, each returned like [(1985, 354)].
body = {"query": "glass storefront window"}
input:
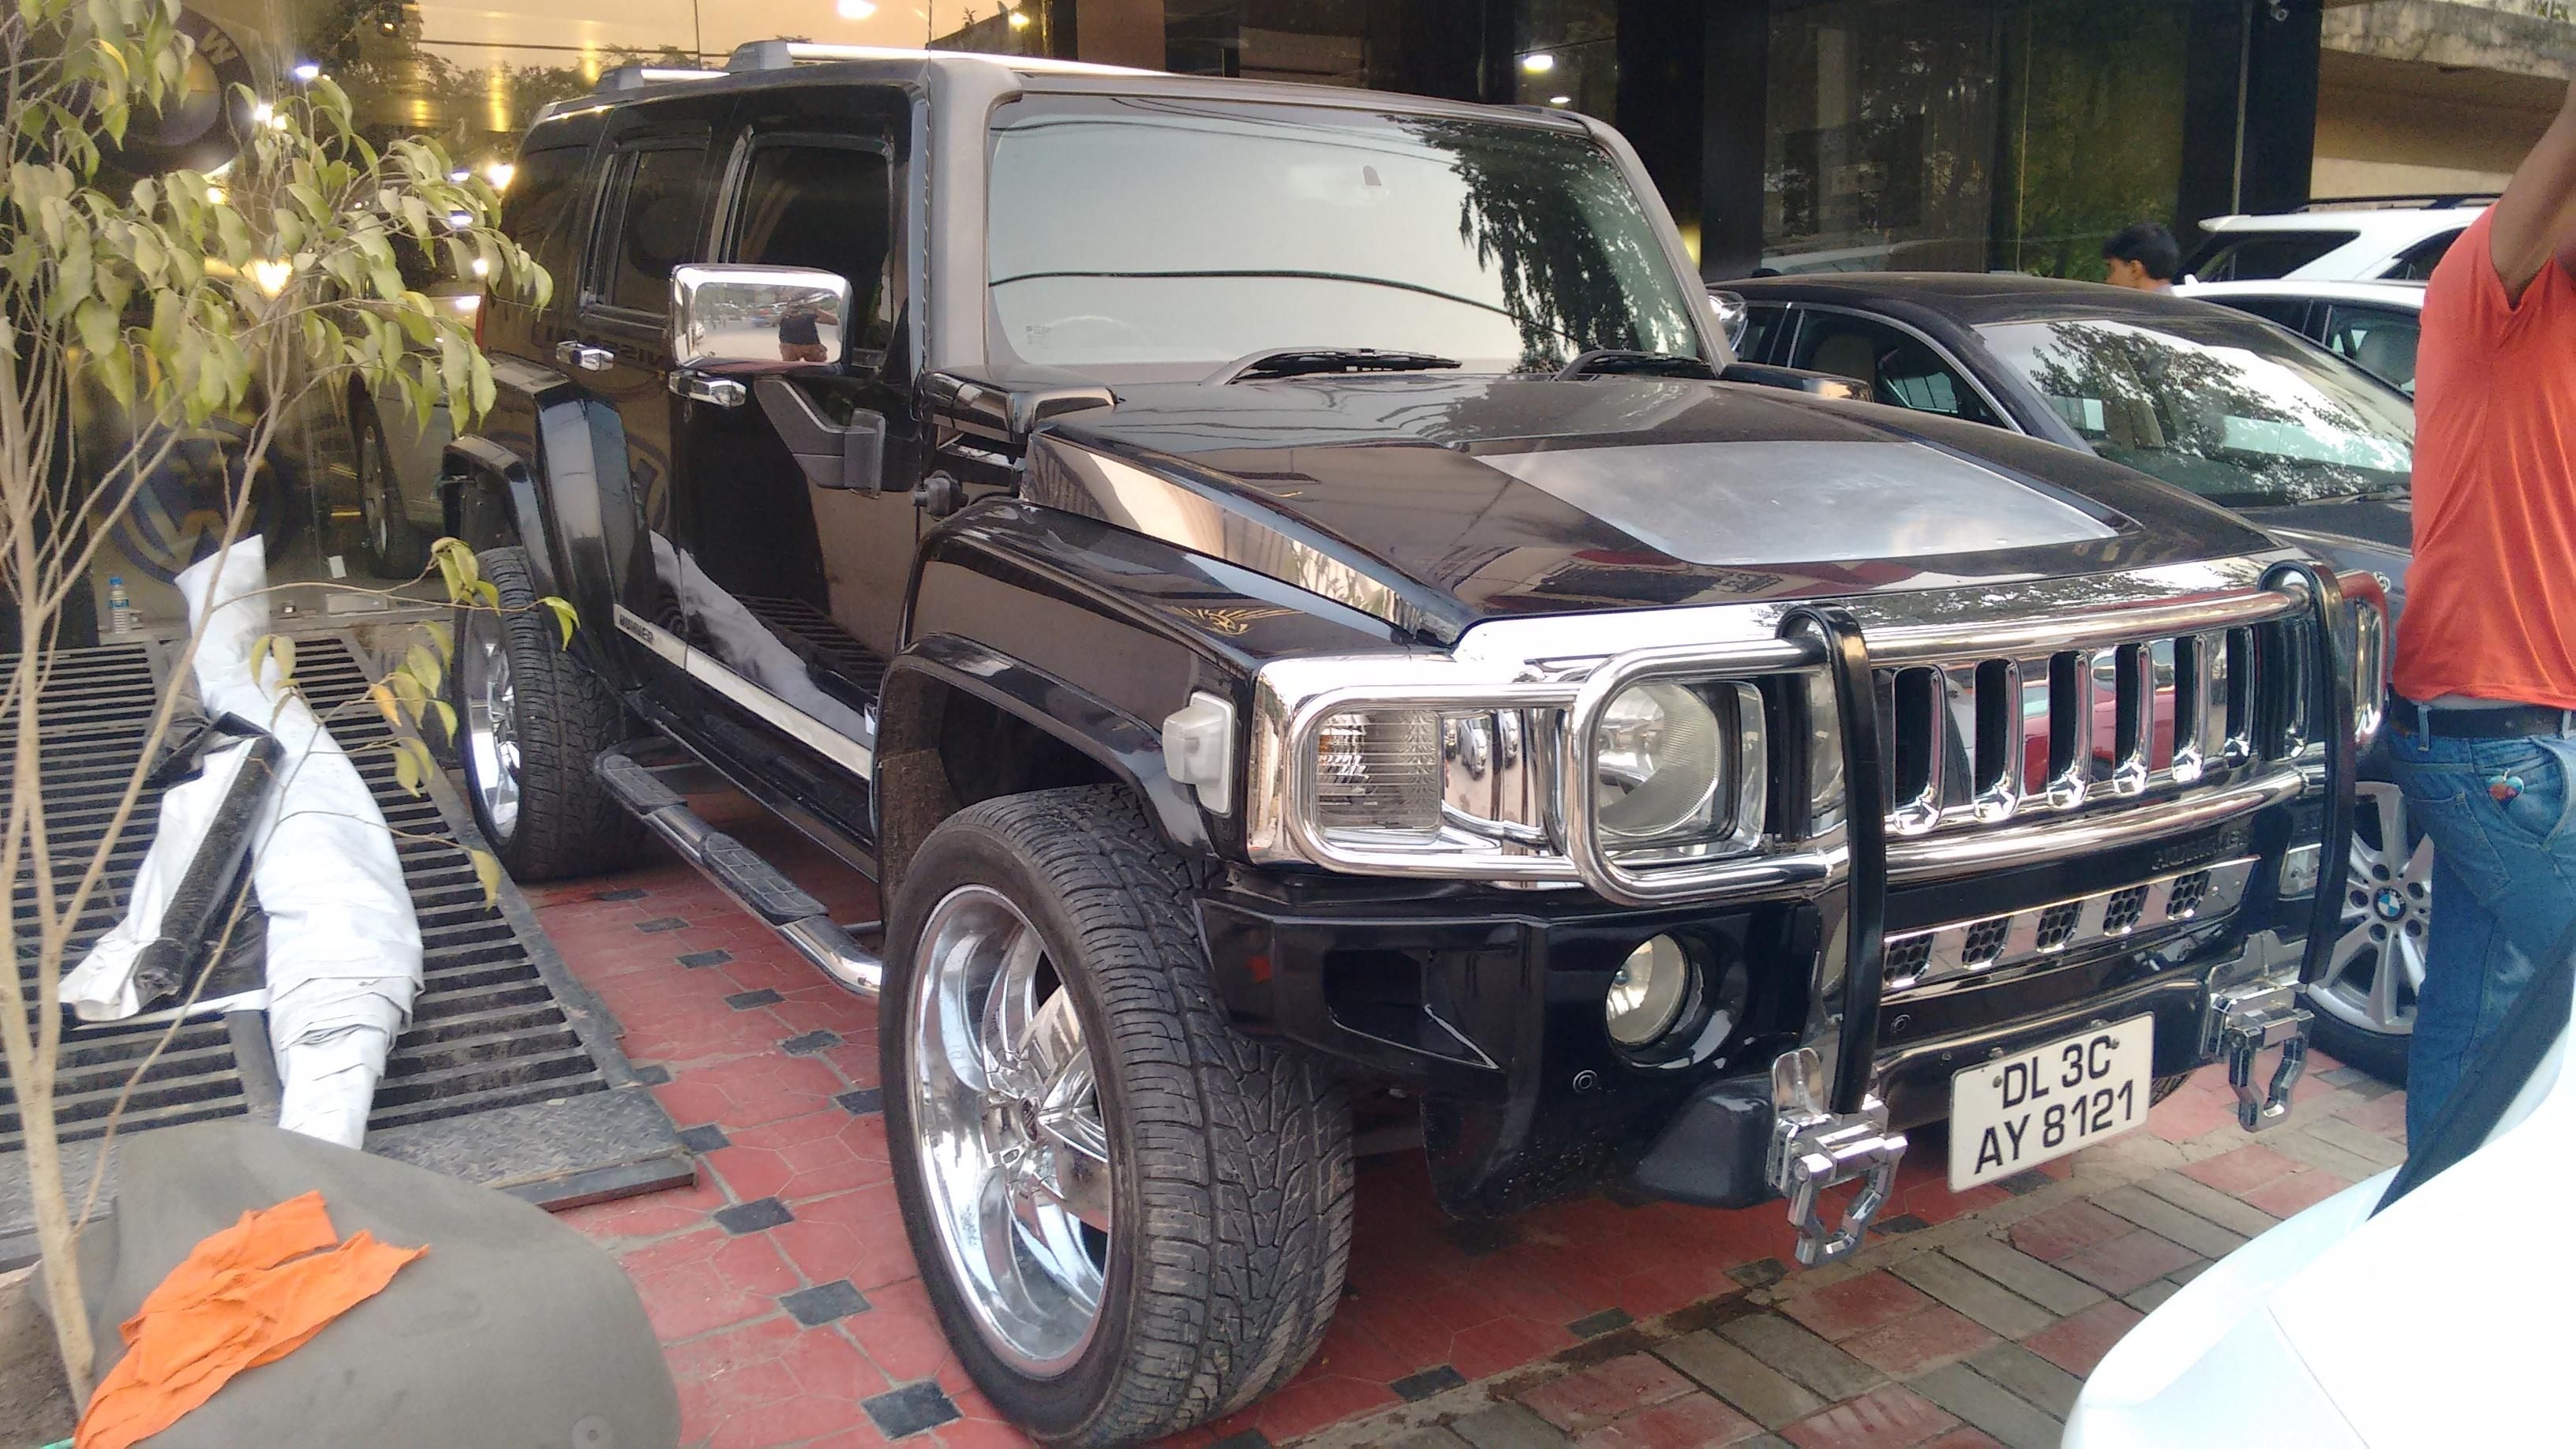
[(2091, 132), (1881, 141), (1565, 54)]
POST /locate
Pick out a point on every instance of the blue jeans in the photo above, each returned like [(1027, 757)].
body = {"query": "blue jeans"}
[(2504, 889)]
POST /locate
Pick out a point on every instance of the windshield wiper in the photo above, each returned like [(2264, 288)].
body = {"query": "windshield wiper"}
[(1309, 361), (1605, 360)]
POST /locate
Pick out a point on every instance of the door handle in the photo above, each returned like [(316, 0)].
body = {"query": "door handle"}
[(723, 392), (587, 358)]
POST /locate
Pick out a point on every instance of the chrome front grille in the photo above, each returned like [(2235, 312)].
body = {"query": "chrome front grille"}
[(1969, 742), (1987, 944)]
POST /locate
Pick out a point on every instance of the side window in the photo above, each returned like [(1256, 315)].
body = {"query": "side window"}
[(2290, 312), (2418, 261), (661, 212), (1762, 325), (829, 207), (2267, 256), (2379, 339), (1896, 366), (537, 210)]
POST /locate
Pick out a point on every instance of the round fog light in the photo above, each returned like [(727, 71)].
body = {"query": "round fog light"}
[(1649, 992)]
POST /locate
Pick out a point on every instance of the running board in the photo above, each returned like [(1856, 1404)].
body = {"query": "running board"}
[(755, 884)]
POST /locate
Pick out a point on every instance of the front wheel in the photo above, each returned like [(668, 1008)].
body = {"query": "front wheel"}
[(529, 721), (394, 546), (2365, 1002), (1129, 1217)]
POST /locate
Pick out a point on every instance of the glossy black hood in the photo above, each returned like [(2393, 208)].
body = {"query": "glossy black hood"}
[(1478, 497)]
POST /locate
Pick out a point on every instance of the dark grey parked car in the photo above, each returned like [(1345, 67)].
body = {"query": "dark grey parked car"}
[(2226, 404)]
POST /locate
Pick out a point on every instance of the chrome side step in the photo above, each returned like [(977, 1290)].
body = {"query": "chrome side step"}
[(755, 884)]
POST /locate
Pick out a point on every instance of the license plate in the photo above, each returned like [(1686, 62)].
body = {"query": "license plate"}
[(2021, 1110)]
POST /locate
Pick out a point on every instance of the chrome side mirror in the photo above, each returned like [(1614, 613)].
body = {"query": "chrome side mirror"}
[(1733, 315), (738, 319)]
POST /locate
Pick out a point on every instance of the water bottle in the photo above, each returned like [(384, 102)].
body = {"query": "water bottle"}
[(120, 609)]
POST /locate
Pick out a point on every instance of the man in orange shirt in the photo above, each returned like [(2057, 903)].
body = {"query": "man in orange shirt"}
[(2485, 713)]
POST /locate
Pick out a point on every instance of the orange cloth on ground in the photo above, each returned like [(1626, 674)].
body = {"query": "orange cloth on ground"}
[(249, 1295)]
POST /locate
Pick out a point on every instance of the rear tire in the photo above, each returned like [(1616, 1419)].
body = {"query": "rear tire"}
[(529, 721), (1209, 1255), (392, 544)]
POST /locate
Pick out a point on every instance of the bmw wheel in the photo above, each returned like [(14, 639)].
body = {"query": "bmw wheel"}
[(2365, 1003)]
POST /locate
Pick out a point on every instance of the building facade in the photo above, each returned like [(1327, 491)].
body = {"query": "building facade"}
[(1789, 134)]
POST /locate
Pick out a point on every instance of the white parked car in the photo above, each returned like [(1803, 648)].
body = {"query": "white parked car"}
[(2374, 1318), (2372, 323), (2366, 239)]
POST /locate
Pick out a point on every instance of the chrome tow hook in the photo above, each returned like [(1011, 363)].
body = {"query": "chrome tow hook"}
[(2249, 1025), (1813, 1149)]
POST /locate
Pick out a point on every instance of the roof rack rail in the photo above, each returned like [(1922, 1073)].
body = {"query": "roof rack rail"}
[(636, 77), (783, 54), (2430, 201)]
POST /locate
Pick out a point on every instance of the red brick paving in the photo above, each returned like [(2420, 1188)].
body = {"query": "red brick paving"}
[(2061, 1230), (1920, 1341), (2244, 1169), (2296, 1193), (1698, 1422), (2077, 1342), (2127, 1263), (1886, 1418), (1592, 1397), (1862, 1303), (750, 1374)]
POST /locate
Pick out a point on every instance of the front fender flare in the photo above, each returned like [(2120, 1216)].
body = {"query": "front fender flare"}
[(1128, 748)]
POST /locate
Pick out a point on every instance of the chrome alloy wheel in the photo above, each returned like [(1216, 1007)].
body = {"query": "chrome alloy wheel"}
[(490, 721), (2378, 962), (1006, 1109)]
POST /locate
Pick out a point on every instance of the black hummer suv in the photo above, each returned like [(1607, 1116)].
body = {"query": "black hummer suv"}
[(1278, 589)]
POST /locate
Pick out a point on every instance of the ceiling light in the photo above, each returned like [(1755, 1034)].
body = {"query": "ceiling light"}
[(214, 196), (499, 174), (306, 71), (1560, 100), (854, 9), (271, 274), (1019, 19), (482, 268), (1538, 62)]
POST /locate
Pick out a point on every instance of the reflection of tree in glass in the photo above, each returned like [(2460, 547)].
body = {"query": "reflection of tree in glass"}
[(1534, 211), (2166, 406)]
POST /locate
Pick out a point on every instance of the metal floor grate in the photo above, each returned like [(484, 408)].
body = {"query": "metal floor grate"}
[(486, 1030), (508, 1073), (94, 714)]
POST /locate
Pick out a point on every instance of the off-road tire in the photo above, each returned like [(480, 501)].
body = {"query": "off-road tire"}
[(564, 716), (1231, 1158), (403, 553)]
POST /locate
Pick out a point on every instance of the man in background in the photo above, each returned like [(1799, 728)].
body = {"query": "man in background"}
[(2143, 258), (2485, 707)]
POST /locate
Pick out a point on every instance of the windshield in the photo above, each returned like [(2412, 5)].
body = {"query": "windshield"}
[(2231, 410), (1158, 236)]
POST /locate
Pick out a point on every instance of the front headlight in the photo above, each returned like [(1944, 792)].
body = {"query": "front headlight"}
[(1379, 773), (1656, 763)]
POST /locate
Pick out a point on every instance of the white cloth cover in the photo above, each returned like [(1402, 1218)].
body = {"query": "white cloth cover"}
[(343, 943), (101, 987)]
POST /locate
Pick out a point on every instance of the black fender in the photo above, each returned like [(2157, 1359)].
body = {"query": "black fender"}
[(571, 507), (1128, 749)]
